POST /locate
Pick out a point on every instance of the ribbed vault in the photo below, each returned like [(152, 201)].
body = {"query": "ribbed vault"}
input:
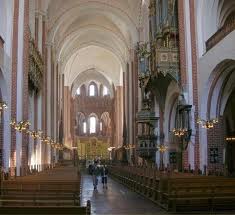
[(93, 35)]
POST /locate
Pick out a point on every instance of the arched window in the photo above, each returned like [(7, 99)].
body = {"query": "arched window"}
[(78, 91), (92, 125), (84, 127), (92, 90), (105, 91)]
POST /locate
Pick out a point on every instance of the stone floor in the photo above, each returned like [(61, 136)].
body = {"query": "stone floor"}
[(116, 200)]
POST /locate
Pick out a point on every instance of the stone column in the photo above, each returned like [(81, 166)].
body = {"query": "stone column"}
[(14, 85), (25, 138), (48, 101)]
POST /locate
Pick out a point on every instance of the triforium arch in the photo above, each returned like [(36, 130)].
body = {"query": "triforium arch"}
[(106, 121), (80, 128), (89, 74)]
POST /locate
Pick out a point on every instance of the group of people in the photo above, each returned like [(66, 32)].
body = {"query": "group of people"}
[(99, 170)]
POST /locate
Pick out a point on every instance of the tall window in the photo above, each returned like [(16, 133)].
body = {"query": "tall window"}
[(92, 125), (105, 91), (101, 126), (78, 91), (92, 90), (84, 127)]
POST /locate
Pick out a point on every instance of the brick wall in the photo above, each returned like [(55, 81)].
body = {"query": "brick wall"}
[(194, 77), (182, 39), (25, 137), (14, 84), (216, 139), (183, 75), (185, 159)]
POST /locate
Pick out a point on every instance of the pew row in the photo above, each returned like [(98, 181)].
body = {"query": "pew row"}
[(179, 192), (47, 210)]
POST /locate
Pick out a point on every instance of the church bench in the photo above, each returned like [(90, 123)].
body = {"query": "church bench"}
[(42, 210), (198, 193), (142, 181), (180, 192), (30, 192), (42, 185)]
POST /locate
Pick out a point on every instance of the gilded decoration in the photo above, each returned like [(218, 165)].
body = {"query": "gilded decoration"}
[(152, 8), (165, 57), (142, 50), (35, 69)]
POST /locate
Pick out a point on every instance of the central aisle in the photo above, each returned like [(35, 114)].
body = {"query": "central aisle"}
[(117, 199)]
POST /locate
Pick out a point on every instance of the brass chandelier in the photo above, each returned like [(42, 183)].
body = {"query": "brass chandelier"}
[(207, 123), (20, 126), (3, 105), (162, 148), (35, 134)]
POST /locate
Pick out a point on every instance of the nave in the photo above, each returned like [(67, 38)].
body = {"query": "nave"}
[(116, 200), (51, 190), (145, 85)]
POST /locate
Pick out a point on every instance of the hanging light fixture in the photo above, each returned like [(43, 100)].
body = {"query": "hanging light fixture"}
[(162, 148), (179, 131), (35, 134), (45, 139), (3, 105), (230, 139), (207, 123), (20, 126)]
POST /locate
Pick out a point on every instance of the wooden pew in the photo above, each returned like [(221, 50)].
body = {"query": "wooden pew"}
[(177, 191), (47, 210), (49, 188), (200, 193)]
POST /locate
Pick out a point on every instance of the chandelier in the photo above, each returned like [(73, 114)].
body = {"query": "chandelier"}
[(162, 148), (20, 126), (230, 139), (179, 131), (35, 134), (207, 123), (51, 142), (45, 139), (3, 105)]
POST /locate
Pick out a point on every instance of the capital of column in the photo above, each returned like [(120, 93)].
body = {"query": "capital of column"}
[(40, 13)]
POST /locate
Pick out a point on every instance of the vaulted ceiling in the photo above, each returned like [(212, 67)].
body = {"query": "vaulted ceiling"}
[(93, 34)]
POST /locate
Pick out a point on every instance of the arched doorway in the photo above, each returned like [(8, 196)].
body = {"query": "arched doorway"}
[(229, 122)]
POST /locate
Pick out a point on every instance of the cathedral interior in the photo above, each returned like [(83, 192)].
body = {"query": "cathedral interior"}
[(142, 88)]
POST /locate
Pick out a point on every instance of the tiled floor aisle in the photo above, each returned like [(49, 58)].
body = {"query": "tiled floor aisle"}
[(116, 200)]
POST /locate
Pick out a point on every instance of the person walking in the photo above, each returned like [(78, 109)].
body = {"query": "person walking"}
[(104, 175), (95, 174)]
